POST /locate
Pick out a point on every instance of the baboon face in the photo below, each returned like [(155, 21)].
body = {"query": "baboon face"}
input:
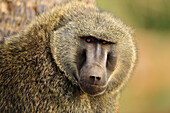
[(97, 61), (89, 47), (87, 58)]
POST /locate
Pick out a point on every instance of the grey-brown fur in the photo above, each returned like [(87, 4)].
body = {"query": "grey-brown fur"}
[(37, 65)]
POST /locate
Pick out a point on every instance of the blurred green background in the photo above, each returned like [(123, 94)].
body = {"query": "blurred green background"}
[(148, 91)]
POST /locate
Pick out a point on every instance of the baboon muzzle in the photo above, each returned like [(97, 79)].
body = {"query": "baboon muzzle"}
[(93, 75)]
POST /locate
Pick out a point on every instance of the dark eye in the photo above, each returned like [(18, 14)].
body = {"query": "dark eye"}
[(89, 40), (103, 42)]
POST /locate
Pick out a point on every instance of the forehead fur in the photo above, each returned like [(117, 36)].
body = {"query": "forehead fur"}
[(95, 22), (87, 19)]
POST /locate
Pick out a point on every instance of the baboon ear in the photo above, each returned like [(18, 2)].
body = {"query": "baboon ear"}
[(87, 1)]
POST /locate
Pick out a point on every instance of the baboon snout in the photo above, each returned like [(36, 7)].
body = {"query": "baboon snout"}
[(96, 75), (93, 79), (93, 72)]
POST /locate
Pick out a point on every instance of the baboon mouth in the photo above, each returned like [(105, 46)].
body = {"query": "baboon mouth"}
[(93, 90)]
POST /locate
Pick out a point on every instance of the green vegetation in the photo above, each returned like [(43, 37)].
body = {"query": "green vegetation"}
[(147, 14)]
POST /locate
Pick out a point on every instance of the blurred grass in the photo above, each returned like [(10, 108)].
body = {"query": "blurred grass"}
[(148, 14), (148, 91)]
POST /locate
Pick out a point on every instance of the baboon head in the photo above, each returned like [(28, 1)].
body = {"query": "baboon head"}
[(93, 48)]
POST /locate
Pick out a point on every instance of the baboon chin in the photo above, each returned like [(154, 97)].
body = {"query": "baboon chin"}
[(74, 58)]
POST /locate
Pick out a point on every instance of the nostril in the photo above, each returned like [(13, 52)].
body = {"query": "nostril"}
[(94, 78), (98, 78)]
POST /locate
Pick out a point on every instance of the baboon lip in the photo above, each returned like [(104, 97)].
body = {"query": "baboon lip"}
[(92, 90), (98, 86)]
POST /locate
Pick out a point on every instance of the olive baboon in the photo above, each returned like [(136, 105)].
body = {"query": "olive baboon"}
[(73, 58)]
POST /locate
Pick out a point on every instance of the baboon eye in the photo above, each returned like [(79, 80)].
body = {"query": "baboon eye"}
[(89, 40), (104, 42)]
